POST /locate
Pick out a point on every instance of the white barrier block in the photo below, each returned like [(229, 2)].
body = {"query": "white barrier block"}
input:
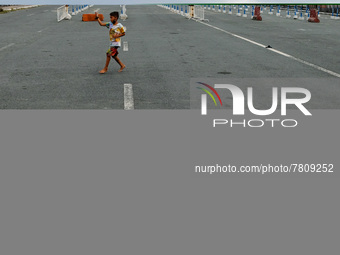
[(199, 13)]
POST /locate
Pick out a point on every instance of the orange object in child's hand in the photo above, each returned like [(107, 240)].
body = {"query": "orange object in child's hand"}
[(92, 17)]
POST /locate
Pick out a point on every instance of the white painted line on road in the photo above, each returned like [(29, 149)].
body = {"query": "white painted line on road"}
[(276, 51), (128, 97), (7, 46), (307, 63), (125, 46), (42, 30)]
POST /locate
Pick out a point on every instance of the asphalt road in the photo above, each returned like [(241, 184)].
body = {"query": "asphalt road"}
[(51, 65)]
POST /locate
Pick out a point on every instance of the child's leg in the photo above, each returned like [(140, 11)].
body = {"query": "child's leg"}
[(122, 66), (104, 70)]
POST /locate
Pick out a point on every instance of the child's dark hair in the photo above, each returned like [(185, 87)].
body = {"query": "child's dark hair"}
[(115, 14)]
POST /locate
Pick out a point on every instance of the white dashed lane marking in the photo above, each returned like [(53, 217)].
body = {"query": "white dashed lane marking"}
[(128, 97), (42, 29), (7, 46)]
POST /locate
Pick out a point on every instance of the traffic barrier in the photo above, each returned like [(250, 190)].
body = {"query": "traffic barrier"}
[(230, 10), (173, 8), (79, 8), (296, 12), (257, 13), (62, 13), (313, 16), (271, 10), (238, 12), (192, 11), (188, 12), (278, 13), (244, 13), (288, 14), (199, 13), (123, 14), (301, 15)]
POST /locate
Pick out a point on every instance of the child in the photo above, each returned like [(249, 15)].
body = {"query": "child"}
[(116, 31)]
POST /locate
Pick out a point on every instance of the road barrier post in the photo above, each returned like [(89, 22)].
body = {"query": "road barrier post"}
[(257, 13)]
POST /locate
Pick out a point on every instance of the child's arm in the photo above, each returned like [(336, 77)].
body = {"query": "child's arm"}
[(121, 33), (99, 21), (116, 35)]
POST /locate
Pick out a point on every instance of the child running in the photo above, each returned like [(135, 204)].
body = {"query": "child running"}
[(116, 31)]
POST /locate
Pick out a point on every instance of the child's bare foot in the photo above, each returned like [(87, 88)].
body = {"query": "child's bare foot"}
[(121, 69), (103, 71)]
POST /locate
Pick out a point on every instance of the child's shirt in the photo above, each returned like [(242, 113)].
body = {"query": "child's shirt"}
[(119, 28)]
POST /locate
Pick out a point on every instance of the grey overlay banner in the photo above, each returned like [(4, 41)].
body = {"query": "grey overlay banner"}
[(117, 182)]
